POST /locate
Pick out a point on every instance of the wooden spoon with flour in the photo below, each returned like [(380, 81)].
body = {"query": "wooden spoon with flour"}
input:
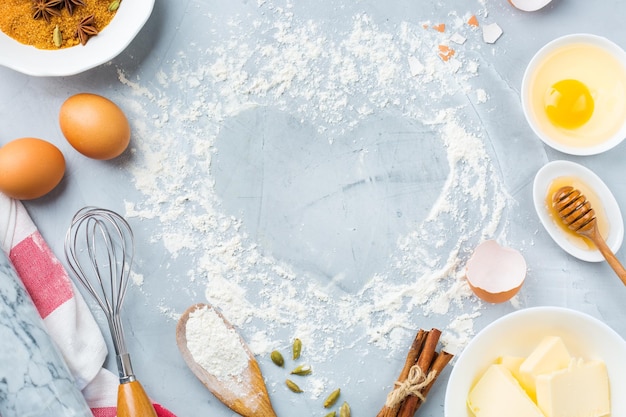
[(222, 361)]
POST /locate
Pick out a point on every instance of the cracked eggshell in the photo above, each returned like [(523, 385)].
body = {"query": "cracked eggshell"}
[(495, 273), (529, 5), (491, 33)]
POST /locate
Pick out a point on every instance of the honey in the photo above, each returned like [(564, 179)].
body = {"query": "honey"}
[(601, 217)]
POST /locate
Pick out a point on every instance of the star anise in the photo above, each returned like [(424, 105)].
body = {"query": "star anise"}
[(70, 4), (45, 9), (86, 28)]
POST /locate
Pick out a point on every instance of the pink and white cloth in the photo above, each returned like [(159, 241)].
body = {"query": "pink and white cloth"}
[(65, 313)]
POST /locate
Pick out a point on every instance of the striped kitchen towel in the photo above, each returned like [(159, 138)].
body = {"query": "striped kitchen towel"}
[(65, 313)]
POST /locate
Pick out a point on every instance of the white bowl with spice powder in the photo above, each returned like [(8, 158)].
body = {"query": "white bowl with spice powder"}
[(41, 55)]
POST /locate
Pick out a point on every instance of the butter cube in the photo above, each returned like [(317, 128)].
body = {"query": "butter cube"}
[(512, 363), (497, 393), (581, 390), (549, 356)]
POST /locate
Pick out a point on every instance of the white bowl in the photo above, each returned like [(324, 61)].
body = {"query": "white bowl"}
[(541, 186), (113, 39), (518, 333), (529, 5), (607, 126)]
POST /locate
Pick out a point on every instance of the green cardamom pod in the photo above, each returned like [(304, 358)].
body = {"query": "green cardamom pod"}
[(302, 370), (57, 36), (293, 386), (114, 5), (277, 358), (344, 411), (297, 348), (331, 414), (332, 398)]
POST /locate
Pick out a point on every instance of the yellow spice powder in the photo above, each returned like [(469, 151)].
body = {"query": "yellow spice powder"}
[(16, 21)]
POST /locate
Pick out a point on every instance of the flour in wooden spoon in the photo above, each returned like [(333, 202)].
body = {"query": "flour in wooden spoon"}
[(215, 346)]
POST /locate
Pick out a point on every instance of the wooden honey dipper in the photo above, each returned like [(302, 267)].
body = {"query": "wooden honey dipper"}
[(578, 215)]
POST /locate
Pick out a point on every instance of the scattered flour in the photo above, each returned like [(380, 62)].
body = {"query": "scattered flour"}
[(138, 279), (481, 96), (333, 83)]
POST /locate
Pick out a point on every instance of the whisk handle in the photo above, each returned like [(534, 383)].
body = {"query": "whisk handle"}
[(132, 401)]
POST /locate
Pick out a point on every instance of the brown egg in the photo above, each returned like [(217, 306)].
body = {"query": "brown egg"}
[(94, 126), (30, 168), (495, 273)]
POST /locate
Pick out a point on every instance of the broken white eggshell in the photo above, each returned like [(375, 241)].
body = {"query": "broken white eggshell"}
[(495, 273), (491, 33), (529, 5)]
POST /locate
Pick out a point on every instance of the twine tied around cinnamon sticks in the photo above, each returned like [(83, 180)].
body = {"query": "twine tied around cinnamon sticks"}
[(422, 366), (415, 382)]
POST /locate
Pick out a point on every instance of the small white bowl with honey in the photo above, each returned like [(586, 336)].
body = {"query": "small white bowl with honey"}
[(574, 94), (557, 174)]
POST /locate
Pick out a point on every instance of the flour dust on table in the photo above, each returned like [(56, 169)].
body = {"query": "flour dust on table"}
[(316, 177)]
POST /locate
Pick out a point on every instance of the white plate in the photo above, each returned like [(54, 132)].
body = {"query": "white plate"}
[(541, 185), (114, 38), (518, 333)]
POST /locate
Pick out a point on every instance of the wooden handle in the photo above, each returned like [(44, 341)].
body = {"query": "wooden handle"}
[(608, 255), (132, 401)]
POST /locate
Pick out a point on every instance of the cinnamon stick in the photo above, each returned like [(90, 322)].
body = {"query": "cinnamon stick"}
[(438, 365), (411, 358), (409, 408), (414, 353), (424, 362), (430, 348), (414, 384)]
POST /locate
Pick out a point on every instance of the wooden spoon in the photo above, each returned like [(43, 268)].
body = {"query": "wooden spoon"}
[(578, 215), (246, 393)]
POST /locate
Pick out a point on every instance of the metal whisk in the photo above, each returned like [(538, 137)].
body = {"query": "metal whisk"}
[(99, 248)]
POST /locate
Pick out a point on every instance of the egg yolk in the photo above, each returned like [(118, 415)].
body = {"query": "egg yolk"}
[(569, 104)]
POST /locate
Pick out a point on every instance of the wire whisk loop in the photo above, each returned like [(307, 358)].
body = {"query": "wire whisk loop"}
[(99, 247)]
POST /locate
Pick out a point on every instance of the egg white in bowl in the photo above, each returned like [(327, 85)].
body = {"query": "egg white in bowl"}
[(114, 38), (519, 332), (574, 94)]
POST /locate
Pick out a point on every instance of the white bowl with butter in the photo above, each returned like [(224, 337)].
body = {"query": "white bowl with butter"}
[(574, 94), (519, 333)]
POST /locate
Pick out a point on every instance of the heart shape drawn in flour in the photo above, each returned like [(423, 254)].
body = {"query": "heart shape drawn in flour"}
[(335, 210)]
